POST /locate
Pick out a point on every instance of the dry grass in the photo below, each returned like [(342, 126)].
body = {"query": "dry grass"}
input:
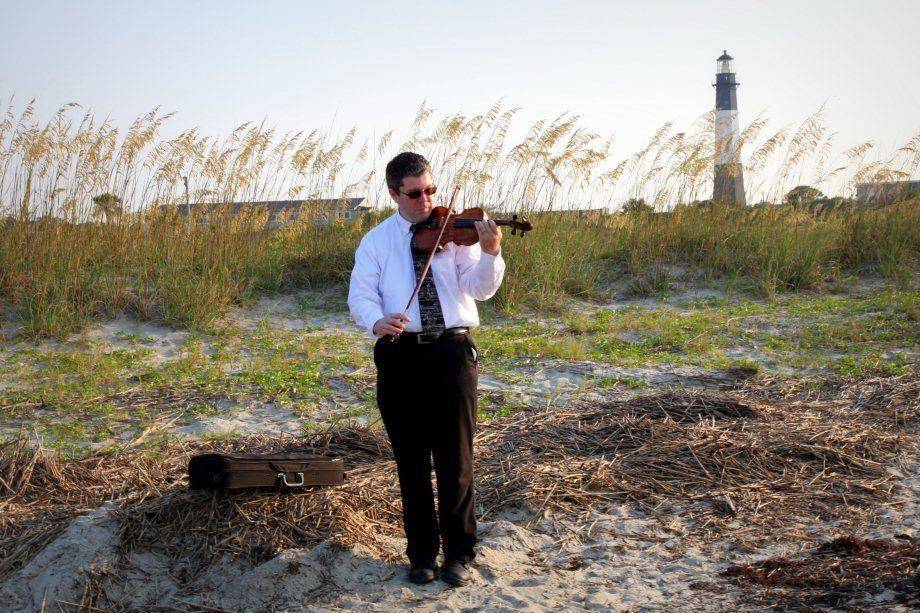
[(58, 271), (42, 491), (57, 166), (845, 571), (769, 459)]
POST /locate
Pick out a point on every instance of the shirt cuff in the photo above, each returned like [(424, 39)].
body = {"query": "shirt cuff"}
[(488, 258), (370, 326)]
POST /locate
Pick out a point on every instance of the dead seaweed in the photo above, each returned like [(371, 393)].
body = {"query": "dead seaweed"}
[(845, 572), (768, 459)]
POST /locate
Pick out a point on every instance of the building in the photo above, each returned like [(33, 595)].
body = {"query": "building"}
[(728, 177), (573, 213), (885, 192), (281, 212)]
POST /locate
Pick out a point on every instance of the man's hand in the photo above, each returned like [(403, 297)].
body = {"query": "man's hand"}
[(391, 324), (490, 235)]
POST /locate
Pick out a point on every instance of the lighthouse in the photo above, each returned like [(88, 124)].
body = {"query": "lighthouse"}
[(728, 185)]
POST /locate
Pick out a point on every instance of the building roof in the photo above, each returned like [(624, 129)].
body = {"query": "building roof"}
[(885, 192), (904, 183), (572, 211), (724, 56), (277, 206)]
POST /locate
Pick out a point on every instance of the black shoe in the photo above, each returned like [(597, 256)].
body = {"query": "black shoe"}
[(423, 573), (456, 572)]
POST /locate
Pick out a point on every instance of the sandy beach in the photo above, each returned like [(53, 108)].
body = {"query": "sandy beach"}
[(584, 526)]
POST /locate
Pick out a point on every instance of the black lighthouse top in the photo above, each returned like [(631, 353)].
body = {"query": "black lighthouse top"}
[(724, 64), (725, 82)]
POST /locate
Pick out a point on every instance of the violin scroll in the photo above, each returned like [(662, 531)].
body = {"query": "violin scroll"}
[(522, 226)]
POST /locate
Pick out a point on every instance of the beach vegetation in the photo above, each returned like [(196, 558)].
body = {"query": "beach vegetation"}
[(97, 221)]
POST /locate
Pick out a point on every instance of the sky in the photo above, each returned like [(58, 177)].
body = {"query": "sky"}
[(625, 67)]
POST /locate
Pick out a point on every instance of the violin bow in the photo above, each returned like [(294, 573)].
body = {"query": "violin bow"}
[(418, 285)]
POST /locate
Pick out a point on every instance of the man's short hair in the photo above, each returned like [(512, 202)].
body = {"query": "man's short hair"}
[(406, 164)]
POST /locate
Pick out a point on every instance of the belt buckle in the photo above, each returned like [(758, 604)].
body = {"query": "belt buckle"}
[(426, 339)]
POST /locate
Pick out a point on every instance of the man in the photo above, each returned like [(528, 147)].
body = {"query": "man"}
[(426, 365)]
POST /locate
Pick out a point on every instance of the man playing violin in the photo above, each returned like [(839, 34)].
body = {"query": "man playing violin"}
[(427, 365)]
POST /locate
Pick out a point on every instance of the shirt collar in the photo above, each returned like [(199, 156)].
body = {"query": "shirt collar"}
[(404, 225)]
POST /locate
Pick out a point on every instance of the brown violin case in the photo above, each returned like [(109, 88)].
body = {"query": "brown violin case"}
[(230, 471)]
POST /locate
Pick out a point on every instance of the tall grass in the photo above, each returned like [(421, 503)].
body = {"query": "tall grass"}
[(58, 276), (64, 260), (766, 250)]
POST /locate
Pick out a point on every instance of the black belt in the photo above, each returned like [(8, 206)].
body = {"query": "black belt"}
[(418, 338)]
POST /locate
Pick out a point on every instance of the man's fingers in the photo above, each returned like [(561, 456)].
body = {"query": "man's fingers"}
[(392, 324)]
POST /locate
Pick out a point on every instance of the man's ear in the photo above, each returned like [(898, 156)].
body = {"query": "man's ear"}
[(393, 193)]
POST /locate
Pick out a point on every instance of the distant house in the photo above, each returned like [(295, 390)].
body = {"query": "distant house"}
[(581, 213), (281, 212), (885, 192)]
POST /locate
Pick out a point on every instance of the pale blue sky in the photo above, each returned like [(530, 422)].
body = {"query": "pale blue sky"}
[(627, 67)]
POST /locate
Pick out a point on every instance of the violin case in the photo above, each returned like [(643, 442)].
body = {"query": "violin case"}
[(285, 471)]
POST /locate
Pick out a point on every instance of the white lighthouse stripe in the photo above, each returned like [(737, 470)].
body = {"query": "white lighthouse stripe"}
[(727, 136)]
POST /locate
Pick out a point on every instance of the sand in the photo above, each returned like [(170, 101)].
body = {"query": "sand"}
[(624, 559)]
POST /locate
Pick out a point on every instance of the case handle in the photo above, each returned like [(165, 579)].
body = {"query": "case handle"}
[(283, 477)]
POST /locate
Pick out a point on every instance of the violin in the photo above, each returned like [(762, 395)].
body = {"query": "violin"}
[(431, 235), (445, 226)]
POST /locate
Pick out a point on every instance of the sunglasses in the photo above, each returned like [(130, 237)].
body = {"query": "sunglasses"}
[(431, 190)]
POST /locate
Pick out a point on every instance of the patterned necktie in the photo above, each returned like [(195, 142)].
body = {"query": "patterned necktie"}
[(428, 303)]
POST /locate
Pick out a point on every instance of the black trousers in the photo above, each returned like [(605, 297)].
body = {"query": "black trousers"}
[(427, 398)]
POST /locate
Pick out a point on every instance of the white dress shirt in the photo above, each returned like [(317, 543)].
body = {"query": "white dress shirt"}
[(383, 278)]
